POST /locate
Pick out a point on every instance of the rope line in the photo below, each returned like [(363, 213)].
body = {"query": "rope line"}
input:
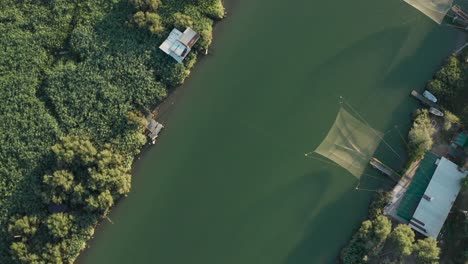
[(309, 155), (373, 130)]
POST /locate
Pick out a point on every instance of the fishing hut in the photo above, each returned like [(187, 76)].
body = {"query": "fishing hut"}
[(436, 202), (179, 44), (153, 129)]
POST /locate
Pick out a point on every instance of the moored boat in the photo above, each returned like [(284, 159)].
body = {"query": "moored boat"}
[(430, 96), (435, 111)]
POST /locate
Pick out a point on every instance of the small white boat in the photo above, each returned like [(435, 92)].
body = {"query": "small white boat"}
[(430, 96), (435, 111)]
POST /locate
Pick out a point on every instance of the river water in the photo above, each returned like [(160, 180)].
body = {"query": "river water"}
[(228, 181)]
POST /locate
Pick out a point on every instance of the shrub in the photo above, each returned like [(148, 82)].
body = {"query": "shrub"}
[(181, 21), (427, 251), (402, 238), (449, 120), (420, 135), (78, 68), (368, 241)]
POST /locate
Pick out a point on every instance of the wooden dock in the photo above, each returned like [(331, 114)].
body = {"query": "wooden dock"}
[(378, 165), (455, 53), (424, 100)]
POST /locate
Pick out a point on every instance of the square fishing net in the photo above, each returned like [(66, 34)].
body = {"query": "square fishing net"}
[(434, 9), (350, 143)]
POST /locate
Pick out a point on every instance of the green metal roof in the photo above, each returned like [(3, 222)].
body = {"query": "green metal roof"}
[(462, 139), (418, 185)]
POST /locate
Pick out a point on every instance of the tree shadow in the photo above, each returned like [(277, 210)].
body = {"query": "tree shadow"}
[(322, 244), (283, 212)]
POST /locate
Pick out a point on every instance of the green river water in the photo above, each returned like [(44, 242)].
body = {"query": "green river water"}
[(228, 182)]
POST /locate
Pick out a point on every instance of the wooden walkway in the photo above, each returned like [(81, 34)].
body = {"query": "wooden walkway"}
[(425, 101), (378, 165)]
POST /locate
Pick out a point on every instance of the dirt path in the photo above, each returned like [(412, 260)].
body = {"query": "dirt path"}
[(399, 191)]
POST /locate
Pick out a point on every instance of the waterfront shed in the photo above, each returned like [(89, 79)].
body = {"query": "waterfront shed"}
[(438, 199), (154, 128), (178, 44)]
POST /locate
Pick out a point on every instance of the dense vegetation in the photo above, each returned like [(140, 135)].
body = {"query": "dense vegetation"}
[(450, 85), (376, 242), (420, 135), (368, 240), (75, 78)]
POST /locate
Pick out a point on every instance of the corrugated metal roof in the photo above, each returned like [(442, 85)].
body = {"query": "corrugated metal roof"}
[(152, 124), (178, 44), (171, 39), (441, 194), (189, 38)]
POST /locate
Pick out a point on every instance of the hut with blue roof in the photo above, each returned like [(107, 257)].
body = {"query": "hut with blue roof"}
[(178, 44)]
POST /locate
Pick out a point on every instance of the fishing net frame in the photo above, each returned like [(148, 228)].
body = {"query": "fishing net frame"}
[(434, 9), (350, 143)]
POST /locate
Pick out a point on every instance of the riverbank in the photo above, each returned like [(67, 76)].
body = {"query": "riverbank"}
[(227, 181), (434, 134), (91, 67), (162, 111)]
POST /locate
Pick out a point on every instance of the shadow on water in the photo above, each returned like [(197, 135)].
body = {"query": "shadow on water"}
[(315, 245), (281, 215), (260, 215), (351, 64), (398, 79), (407, 75), (380, 49)]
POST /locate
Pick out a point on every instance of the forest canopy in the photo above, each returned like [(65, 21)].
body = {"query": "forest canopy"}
[(75, 78)]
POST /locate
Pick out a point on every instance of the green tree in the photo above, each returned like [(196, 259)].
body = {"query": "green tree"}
[(59, 225), (451, 73), (135, 120), (368, 241), (20, 251), (75, 151), (150, 20), (464, 115), (57, 187), (402, 238), (377, 205), (427, 251), (59, 179), (82, 70), (24, 226), (381, 229), (154, 22), (206, 37), (182, 21), (146, 5), (140, 18), (465, 183), (420, 135), (101, 203), (52, 253), (79, 194), (449, 120)]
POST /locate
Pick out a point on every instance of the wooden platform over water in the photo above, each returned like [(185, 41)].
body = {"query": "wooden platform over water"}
[(378, 165), (424, 100)]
